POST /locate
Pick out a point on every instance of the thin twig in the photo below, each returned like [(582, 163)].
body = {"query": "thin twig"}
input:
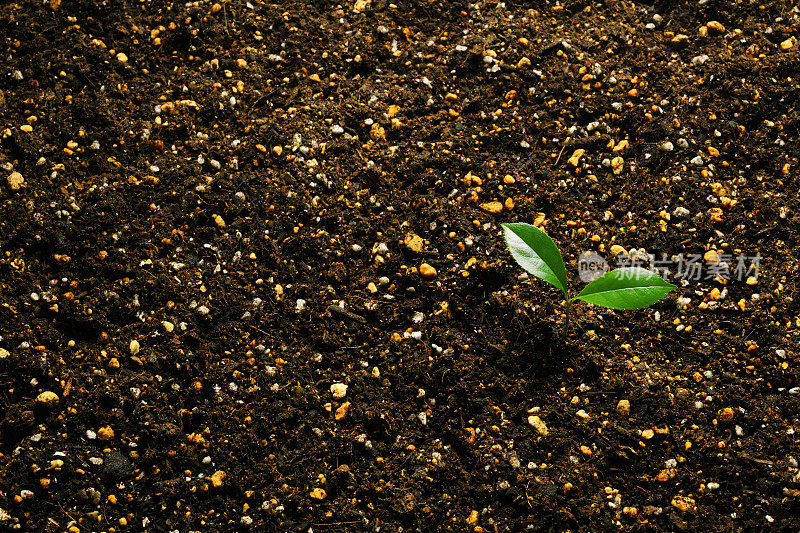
[(568, 139)]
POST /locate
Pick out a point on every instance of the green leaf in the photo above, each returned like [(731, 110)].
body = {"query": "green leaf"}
[(626, 288), (536, 252)]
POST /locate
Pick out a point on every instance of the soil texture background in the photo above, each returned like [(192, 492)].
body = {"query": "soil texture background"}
[(252, 275)]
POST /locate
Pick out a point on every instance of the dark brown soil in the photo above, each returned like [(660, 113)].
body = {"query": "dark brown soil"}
[(220, 224)]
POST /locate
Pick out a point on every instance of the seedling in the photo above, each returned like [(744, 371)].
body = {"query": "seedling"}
[(623, 288)]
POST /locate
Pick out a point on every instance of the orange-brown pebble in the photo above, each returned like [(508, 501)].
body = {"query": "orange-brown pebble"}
[(682, 503), (341, 412), (218, 478), (427, 271), (47, 399), (492, 207)]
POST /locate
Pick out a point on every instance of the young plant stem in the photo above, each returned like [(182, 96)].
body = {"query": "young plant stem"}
[(566, 321)]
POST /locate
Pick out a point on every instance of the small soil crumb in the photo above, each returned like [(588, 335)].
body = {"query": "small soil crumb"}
[(48, 399), (679, 41), (682, 503), (105, 433), (666, 475), (617, 164), (218, 478), (15, 181), (414, 242), (576, 157), (711, 256), (341, 412), (377, 133), (427, 271), (725, 414), (617, 250), (539, 425), (116, 466), (492, 207), (339, 390)]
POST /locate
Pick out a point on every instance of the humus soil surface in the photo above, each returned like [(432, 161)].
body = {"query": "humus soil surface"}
[(214, 313)]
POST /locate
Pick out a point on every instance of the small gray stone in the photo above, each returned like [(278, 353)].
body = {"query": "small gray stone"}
[(680, 212)]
